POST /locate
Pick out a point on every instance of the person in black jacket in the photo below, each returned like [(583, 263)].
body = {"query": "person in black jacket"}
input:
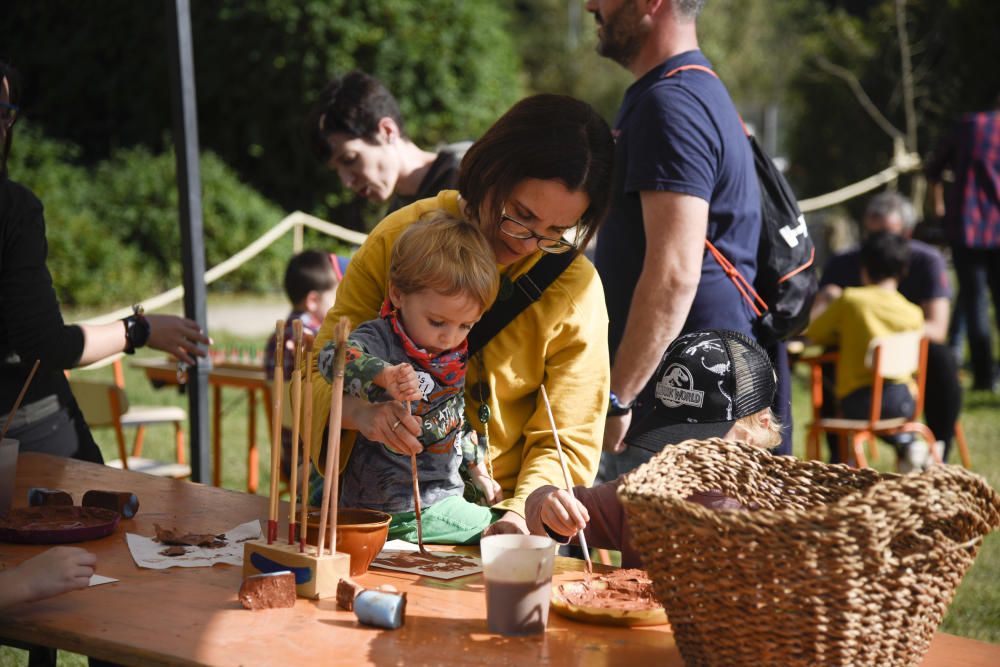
[(32, 327), (356, 129)]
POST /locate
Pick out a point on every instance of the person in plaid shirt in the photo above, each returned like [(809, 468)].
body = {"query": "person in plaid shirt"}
[(971, 211)]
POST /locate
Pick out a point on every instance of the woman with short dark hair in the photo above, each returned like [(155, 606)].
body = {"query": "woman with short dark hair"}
[(538, 183)]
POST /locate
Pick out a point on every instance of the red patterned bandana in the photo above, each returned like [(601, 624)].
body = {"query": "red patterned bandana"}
[(447, 367)]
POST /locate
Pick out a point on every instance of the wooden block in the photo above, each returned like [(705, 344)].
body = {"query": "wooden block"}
[(315, 576), (347, 590), (275, 590)]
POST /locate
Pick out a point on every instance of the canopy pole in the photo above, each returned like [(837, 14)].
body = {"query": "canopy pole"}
[(185, 126)]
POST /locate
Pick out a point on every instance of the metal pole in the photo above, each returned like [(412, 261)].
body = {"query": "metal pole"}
[(185, 123)]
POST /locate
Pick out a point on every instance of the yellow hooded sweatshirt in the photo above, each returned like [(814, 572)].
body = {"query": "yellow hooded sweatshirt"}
[(560, 340)]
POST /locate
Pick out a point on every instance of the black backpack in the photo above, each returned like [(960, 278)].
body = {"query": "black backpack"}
[(783, 291)]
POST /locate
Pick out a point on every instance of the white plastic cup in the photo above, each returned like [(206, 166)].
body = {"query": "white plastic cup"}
[(518, 573), (8, 471)]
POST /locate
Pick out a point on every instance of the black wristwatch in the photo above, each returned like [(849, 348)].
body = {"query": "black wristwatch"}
[(136, 330), (616, 408)]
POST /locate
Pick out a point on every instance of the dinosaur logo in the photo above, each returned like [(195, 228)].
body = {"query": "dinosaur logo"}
[(676, 388)]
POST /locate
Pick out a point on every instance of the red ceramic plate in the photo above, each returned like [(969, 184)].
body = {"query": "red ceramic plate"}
[(57, 524)]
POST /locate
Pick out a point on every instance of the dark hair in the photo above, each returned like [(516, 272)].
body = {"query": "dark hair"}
[(14, 83), (309, 270), (548, 137), (352, 104), (885, 255)]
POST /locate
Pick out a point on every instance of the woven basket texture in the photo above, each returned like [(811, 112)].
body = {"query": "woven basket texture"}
[(827, 565)]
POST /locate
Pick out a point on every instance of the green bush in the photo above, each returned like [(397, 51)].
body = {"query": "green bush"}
[(113, 229)]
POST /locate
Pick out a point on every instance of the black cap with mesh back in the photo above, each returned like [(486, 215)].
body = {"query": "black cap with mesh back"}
[(706, 381)]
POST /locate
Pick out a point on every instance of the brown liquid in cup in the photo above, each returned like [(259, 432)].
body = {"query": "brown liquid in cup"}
[(517, 608)]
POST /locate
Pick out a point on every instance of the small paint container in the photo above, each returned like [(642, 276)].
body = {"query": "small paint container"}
[(381, 609)]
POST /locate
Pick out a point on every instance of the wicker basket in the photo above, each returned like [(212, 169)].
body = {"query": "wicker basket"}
[(829, 566)]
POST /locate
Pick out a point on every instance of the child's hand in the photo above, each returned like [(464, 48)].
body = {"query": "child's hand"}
[(492, 493), (563, 513), (401, 382), (58, 570)]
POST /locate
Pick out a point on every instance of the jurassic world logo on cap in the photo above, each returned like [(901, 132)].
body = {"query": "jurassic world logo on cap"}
[(677, 388), (706, 381)]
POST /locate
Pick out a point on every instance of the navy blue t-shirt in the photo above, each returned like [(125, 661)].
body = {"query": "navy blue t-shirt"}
[(926, 278), (682, 134)]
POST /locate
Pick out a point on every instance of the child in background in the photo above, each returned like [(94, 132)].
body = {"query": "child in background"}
[(442, 278), (311, 280), (712, 384), (862, 314)]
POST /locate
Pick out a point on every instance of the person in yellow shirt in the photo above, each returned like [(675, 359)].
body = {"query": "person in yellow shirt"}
[(538, 183), (858, 316)]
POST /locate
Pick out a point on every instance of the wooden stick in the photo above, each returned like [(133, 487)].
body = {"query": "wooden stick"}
[(277, 395), (416, 504), (416, 497), (565, 469), (307, 415), (20, 397), (293, 473), (332, 468)]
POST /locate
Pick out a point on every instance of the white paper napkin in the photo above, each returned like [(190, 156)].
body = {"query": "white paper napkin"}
[(146, 551)]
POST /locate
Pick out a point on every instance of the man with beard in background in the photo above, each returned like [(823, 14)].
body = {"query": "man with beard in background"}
[(685, 174)]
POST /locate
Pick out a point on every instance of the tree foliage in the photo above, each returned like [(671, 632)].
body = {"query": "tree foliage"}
[(97, 75), (834, 141)]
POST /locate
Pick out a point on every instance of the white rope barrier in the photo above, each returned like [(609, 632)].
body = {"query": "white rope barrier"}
[(901, 164), (298, 218)]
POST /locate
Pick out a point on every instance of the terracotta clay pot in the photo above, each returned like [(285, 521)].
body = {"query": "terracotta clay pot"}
[(360, 533)]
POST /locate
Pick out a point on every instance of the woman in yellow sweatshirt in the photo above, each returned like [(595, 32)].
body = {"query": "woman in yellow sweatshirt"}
[(540, 176)]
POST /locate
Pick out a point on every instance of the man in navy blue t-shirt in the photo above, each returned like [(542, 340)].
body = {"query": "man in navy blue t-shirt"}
[(925, 284), (684, 174)]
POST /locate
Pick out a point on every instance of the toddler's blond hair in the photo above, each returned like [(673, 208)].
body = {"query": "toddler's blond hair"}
[(448, 255)]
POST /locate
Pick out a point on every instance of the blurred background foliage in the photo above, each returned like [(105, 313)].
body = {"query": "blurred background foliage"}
[(95, 140)]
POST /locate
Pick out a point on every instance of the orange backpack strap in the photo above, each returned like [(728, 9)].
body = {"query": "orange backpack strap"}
[(746, 289), (709, 70)]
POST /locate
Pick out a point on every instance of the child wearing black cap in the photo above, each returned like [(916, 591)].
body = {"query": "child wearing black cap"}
[(711, 384)]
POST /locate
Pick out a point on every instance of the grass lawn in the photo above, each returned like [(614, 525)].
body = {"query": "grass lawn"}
[(975, 611)]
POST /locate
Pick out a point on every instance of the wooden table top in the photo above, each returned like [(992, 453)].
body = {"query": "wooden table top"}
[(224, 373), (183, 616)]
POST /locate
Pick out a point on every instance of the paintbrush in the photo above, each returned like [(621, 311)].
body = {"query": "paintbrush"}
[(20, 397), (278, 392), (416, 498), (569, 485), (306, 444), (296, 422), (332, 468)]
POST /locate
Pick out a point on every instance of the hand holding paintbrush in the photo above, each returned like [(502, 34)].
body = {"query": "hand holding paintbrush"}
[(565, 469)]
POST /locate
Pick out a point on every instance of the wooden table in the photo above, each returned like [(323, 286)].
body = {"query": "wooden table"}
[(185, 616), (251, 378)]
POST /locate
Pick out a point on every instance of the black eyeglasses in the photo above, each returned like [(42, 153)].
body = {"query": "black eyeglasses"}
[(518, 230), (8, 113)]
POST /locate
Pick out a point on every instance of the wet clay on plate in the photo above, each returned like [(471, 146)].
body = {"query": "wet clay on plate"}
[(622, 590)]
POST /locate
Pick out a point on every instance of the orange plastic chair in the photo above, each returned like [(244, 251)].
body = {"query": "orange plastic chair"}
[(896, 355)]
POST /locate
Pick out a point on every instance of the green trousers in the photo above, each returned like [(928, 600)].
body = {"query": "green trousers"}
[(453, 520)]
